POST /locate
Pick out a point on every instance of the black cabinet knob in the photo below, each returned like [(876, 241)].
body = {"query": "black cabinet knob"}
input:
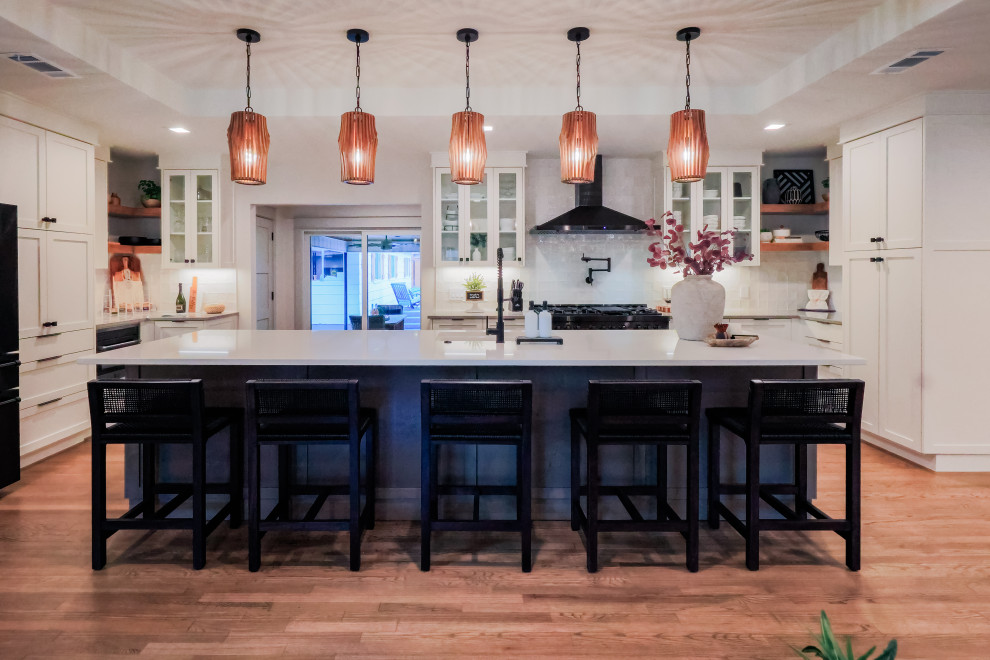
[(876, 260)]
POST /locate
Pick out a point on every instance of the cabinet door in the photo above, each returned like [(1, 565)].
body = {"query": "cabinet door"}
[(742, 212), (510, 207), (863, 193), (202, 234), (904, 167), (478, 202), (900, 348), (167, 329), (174, 218), (32, 281), (69, 269), (22, 171), (446, 198), (861, 290), (70, 185)]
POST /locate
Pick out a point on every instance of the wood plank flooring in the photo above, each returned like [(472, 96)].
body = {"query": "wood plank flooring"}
[(925, 581)]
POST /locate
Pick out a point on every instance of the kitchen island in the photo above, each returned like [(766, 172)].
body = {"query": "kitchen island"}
[(390, 366)]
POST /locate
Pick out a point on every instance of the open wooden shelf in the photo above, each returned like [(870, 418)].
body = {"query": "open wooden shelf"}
[(134, 212), (794, 209), (820, 246), (117, 248)]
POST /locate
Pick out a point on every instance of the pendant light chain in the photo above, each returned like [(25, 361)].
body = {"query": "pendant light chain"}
[(687, 77), (467, 76), (577, 62), (247, 88), (357, 73)]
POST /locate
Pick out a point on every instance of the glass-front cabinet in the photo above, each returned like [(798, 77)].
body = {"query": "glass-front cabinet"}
[(190, 218), (472, 222), (727, 198)]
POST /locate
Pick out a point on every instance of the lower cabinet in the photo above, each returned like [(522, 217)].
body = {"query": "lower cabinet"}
[(883, 325), (823, 335), (458, 323), (762, 326), (173, 328)]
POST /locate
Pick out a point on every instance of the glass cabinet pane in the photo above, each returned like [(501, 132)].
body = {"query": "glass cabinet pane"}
[(742, 213), (204, 204), (680, 206), (177, 218), (508, 197), (479, 221), (449, 219), (712, 201)]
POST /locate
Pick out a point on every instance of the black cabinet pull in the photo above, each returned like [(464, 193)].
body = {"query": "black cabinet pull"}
[(45, 403), (49, 324), (53, 220), (873, 239), (47, 359), (876, 260), (46, 219)]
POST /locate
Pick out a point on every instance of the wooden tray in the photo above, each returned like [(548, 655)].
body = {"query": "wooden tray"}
[(736, 341)]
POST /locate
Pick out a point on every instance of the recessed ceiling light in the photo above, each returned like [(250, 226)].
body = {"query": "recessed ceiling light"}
[(488, 128), (773, 127), (178, 129)]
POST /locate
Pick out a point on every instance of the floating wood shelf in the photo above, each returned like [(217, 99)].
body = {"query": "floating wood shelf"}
[(134, 212), (117, 248), (795, 209), (820, 246)]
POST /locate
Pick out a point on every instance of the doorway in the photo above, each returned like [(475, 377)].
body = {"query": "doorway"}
[(366, 279), (264, 274)]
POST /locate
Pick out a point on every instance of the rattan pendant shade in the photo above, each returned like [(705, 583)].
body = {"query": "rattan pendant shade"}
[(358, 143), (248, 140), (687, 151), (468, 151), (578, 129)]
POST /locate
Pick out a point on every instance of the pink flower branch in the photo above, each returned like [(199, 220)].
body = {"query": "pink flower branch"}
[(709, 254)]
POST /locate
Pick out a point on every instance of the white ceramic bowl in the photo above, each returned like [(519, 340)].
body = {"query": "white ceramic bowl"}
[(781, 233)]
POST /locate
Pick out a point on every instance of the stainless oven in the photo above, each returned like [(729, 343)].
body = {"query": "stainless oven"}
[(109, 339)]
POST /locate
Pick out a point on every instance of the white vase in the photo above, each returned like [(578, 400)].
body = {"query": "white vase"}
[(697, 303)]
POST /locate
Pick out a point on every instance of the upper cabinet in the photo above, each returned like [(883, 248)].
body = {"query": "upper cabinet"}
[(49, 177), (472, 222), (190, 218), (726, 199), (882, 184)]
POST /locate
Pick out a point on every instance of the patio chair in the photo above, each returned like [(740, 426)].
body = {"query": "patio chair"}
[(404, 297)]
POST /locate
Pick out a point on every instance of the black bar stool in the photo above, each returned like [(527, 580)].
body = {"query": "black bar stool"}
[(791, 412), (476, 412), (150, 413), (288, 413), (636, 412)]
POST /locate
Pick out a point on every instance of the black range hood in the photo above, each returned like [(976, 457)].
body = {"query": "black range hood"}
[(589, 216)]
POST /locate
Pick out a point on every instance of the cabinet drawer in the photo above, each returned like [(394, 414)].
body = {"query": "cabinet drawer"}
[(49, 346), (458, 324), (776, 328), (826, 331), (824, 343), (45, 385), (831, 371), (43, 426)]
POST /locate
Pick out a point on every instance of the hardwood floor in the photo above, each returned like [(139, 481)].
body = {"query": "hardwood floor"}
[(925, 581)]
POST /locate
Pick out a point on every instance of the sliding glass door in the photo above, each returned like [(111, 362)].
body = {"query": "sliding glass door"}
[(366, 279)]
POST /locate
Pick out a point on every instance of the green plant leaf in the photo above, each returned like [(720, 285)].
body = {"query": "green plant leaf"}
[(811, 649), (890, 652)]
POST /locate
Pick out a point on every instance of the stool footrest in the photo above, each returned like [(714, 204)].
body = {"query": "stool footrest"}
[(476, 525), (467, 489)]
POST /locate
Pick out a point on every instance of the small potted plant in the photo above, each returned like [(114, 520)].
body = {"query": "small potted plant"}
[(152, 193), (474, 287), (825, 186), (697, 302)]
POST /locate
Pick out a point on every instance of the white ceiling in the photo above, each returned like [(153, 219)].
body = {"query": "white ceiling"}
[(144, 66)]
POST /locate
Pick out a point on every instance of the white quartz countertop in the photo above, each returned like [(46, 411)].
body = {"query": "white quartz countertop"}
[(639, 348), (104, 320)]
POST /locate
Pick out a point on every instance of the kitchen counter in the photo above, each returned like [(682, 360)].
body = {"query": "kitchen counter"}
[(584, 348), (104, 320), (391, 365)]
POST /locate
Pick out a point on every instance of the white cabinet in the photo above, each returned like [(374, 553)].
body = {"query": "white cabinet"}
[(762, 326), (728, 198), (71, 186), (55, 282), (472, 222), (176, 327), (22, 171), (190, 218), (883, 326), (882, 189)]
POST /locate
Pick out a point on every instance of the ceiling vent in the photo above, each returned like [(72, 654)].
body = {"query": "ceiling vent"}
[(41, 66), (910, 60)]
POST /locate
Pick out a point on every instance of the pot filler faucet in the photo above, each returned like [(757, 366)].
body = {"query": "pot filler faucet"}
[(499, 329), (590, 279)]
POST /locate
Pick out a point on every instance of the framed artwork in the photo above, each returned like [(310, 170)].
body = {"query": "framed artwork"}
[(803, 181)]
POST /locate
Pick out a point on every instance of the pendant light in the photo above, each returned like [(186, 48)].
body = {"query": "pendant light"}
[(687, 150), (247, 135), (468, 151), (578, 131), (358, 140)]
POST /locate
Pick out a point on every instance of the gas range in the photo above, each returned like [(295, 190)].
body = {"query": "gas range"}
[(605, 317)]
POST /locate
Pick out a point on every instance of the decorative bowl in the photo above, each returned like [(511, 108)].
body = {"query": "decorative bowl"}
[(822, 234), (736, 341), (783, 232), (215, 308)]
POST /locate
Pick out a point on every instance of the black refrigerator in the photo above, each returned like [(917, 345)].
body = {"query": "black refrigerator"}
[(10, 430)]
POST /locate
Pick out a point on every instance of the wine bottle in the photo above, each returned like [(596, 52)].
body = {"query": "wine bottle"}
[(180, 302)]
